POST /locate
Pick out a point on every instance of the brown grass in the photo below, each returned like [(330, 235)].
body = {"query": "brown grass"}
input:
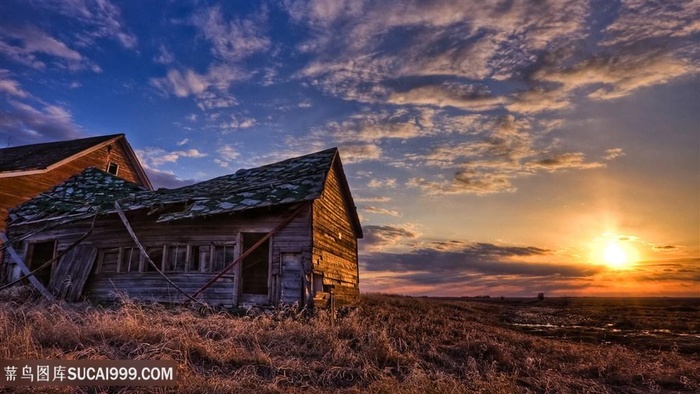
[(385, 345)]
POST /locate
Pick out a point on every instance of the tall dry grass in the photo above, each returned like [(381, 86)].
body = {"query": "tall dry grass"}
[(385, 345)]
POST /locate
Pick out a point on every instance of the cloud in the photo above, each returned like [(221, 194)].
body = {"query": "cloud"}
[(524, 57), (379, 183), (164, 56), (412, 262), (372, 199), (378, 238), (210, 90), (641, 21), (28, 45), (471, 97), (613, 153), (165, 179), (155, 157), (182, 142), (563, 161), (227, 153), (617, 75), (502, 150), (380, 211), (477, 258), (232, 39), (9, 86), (238, 122), (99, 19), (666, 248), (449, 40), (355, 153), (24, 124)]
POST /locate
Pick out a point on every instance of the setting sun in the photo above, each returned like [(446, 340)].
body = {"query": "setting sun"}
[(614, 251), (614, 255)]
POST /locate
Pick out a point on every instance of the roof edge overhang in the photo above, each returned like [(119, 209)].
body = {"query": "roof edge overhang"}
[(345, 188), (115, 137), (137, 163)]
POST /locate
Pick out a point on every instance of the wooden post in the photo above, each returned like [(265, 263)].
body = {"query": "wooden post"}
[(332, 307), (33, 280)]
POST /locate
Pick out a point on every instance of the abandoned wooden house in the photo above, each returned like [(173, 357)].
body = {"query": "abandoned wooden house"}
[(282, 233), (27, 170)]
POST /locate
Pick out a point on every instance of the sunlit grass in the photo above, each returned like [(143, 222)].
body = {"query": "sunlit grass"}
[(387, 344)]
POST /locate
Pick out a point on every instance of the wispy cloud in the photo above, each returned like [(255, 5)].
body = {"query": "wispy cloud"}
[(227, 153), (471, 97), (505, 150), (211, 90), (25, 124), (372, 199), (613, 153), (164, 56), (29, 45), (355, 153), (382, 183), (378, 238), (9, 86), (232, 39), (100, 19), (238, 122), (380, 211), (155, 157)]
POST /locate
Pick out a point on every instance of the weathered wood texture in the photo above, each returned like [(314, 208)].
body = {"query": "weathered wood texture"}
[(18, 189), (292, 278), (71, 272), (334, 251), (150, 286), (110, 234)]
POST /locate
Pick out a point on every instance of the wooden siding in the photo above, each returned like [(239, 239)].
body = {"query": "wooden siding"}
[(109, 233), (334, 253), (18, 189)]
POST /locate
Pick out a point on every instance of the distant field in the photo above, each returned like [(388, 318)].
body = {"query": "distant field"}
[(386, 344)]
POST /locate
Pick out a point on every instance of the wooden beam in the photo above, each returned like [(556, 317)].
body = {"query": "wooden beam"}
[(33, 280), (250, 250), (145, 255)]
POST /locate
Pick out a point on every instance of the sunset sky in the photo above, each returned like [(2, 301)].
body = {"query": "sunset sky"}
[(492, 147)]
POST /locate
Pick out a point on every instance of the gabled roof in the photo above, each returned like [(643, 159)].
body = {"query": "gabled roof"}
[(286, 182), (43, 156), (39, 158)]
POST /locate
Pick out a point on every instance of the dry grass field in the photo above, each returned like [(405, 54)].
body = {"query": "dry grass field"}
[(386, 344)]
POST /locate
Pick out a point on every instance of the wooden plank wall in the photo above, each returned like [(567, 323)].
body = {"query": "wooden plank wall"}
[(18, 189), (109, 232), (335, 245)]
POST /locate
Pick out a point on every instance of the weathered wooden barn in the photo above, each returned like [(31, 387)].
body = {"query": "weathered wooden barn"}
[(27, 170), (282, 233)]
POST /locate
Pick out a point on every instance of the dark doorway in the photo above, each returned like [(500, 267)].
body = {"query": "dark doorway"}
[(255, 270), (40, 253)]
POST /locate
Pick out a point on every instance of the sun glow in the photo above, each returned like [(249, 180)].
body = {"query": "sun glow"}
[(616, 252), (614, 255)]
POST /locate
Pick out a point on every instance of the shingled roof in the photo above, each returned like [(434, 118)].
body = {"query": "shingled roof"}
[(286, 182), (82, 194), (42, 156)]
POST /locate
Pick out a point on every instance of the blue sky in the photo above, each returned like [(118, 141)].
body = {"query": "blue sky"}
[(501, 147)]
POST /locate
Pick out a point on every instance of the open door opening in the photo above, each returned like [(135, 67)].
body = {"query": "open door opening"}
[(40, 253), (255, 267)]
